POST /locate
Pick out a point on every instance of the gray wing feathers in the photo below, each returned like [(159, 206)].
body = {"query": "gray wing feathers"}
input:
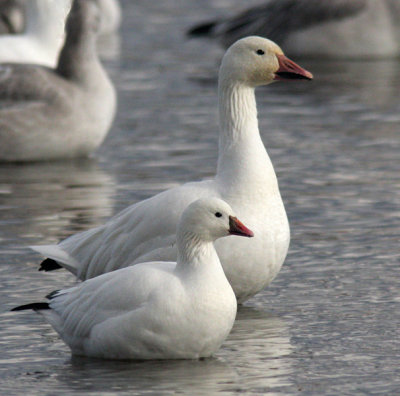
[(278, 18), (23, 85)]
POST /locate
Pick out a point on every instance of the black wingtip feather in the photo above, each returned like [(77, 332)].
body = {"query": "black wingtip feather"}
[(53, 294), (203, 29), (34, 306), (49, 265)]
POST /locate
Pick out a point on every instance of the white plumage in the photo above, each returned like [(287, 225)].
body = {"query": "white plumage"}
[(43, 36)]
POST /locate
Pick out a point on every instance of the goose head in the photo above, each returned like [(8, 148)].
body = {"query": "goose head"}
[(211, 218), (255, 61), (83, 20)]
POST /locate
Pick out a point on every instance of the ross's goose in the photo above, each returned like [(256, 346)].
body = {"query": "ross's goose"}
[(334, 28), (245, 179), (12, 16), (157, 310), (48, 114), (43, 36)]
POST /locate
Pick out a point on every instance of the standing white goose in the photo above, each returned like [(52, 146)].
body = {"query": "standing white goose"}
[(48, 114), (158, 310), (245, 179), (43, 36)]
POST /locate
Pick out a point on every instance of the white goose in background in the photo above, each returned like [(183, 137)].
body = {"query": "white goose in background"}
[(43, 36), (157, 310), (13, 14), (51, 114), (334, 29), (245, 179)]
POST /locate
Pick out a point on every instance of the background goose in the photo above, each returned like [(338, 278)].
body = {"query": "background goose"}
[(48, 114), (159, 310), (334, 28), (43, 36), (12, 16), (245, 179)]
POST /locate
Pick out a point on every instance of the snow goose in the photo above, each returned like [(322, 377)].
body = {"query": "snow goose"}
[(245, 179), (334, 28), (48, 114), (43, 36), (157, 310), (12, 16)]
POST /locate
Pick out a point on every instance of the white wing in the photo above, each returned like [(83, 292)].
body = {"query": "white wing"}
[(142, 232), (110, 298)]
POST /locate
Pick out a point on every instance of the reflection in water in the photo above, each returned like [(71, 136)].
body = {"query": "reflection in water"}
[(260, 345), (255, 357), (353, 83), (206, 376), (63, 198)]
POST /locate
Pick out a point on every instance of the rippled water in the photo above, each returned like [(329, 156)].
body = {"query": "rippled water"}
[(329, 323)]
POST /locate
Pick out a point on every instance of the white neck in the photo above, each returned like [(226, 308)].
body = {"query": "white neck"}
[(46, 19), (196, 255), (78, 60), (243, 161)]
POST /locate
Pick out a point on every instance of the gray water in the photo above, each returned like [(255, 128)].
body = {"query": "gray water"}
[(329, 323)]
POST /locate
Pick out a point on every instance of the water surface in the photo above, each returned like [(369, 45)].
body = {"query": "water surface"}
[(329, 323)]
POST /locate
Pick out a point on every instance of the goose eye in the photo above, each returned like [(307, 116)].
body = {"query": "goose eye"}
[(218, 214), (260, 52)]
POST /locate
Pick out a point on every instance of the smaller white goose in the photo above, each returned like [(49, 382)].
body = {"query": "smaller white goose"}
[(157, 310), (48, 114)]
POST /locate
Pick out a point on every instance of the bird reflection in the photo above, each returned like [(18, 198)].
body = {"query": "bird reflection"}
[(55, 200), (255, 355)]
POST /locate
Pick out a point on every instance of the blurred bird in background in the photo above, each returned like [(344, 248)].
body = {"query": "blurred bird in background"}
[(313, 28)]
